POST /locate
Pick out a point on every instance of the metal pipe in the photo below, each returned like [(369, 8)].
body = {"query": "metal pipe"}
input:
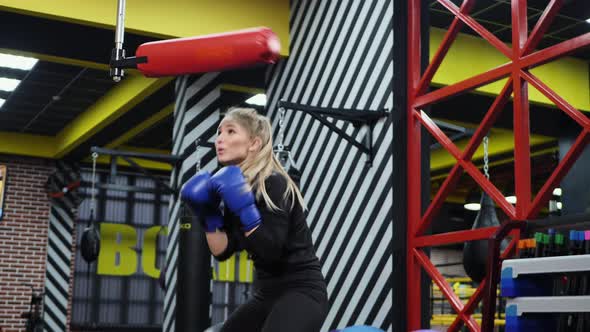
[(120, 32), (118, 53), (171, 159)]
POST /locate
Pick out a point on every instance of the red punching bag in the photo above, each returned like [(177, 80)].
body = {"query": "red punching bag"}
[(210, 53)]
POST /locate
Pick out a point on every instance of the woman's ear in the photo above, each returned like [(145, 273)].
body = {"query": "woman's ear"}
[(255, 144)]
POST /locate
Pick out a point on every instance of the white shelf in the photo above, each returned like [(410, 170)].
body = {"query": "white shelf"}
[(548, 304), (574, 263)]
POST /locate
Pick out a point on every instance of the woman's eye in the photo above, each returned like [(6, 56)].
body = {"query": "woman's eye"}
[(231, 131)]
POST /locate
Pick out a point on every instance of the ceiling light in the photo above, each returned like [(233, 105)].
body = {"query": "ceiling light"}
[(258, 99), (2, 101), (17, 62), (8, 84), (588, 20), (511, 199), (557, 191), (472, 206)]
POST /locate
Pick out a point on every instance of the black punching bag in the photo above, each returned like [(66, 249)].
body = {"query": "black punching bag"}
[(193, 294), (475, 253)]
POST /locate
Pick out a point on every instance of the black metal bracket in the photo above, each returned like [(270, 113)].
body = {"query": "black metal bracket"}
[(128, 156), (356, 117), (130, 62), (460, 132)]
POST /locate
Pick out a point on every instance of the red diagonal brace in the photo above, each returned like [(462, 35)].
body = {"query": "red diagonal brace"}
[(444, 47), (483, 32), (444, 191), (570, 110), (474, 82), (555, 52), (445, 288), (483, 182), (454, 237), (559, 173), (474, 142), (479, 292), (470, 306), (542, 26)]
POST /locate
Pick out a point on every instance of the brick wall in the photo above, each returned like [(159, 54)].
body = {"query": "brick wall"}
[(23, 236)]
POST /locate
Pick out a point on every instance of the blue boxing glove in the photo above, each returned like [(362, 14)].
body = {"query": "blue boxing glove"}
[(203, 201), (230, 184)]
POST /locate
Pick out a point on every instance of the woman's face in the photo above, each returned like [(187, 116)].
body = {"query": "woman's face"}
[(233, 143)]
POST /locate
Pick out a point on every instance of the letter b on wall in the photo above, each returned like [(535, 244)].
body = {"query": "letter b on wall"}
[(119, 250)]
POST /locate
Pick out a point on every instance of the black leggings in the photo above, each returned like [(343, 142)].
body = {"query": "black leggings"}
[(295, 310)]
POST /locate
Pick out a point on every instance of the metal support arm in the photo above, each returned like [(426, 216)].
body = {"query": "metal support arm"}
[(127, 156), (356, 117)]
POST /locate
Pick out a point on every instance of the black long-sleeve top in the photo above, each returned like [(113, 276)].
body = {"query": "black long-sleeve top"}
[(281, 247)]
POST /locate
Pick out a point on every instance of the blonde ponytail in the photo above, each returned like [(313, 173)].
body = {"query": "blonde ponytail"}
[(262, 164)]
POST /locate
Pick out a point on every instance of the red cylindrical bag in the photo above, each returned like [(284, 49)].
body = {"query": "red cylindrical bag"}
[(216, 52)]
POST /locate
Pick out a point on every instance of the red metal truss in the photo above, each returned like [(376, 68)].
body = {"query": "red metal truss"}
[(522, 56)]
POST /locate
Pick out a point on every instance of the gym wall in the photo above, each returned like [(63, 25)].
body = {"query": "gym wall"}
[(342, 57), (23, 236), (196, 115), (120, 290)]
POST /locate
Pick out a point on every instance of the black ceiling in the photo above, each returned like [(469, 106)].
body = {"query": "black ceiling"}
[(50, 96), (63, 39)]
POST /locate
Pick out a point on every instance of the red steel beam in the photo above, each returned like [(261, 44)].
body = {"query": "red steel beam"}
[(445, 288), (489, 119), (483, 182), (574, 152), (444, 47), (521, 59), (444, 191), (554, 52), (472, 83), (479, 292), (470, 306), (542, 26), (454, 237), (413, 185), (453, 177), (483, 32), (522, 149), (559, 173), (522, 160), (570, 110), (519, 27)]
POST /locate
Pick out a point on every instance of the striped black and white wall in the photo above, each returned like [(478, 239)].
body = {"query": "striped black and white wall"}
[(196, 116), (59, 246), (341, 57)]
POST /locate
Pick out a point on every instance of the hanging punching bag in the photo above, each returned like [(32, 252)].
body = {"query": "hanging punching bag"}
[(475, 253), (90, 242), (210, 53)]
